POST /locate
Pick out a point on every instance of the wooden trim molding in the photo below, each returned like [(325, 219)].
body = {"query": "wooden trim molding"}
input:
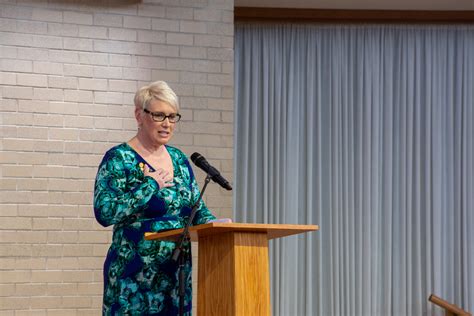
[(258, 14)]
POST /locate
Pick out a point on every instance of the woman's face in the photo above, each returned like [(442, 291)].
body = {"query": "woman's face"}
[(155, 133)]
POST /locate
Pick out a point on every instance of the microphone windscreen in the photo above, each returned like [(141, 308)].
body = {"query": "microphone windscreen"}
[(195, 157)]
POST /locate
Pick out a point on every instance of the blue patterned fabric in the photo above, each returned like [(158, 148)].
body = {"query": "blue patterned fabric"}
[(139, 276)]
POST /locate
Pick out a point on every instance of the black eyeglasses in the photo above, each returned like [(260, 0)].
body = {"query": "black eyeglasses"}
[(160, 117)]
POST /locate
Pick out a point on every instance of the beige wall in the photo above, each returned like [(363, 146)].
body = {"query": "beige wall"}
[(68, 73)]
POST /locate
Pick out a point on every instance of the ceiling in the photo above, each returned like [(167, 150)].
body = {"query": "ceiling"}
[(425, 5)]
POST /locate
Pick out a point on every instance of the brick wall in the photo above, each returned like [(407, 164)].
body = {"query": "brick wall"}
[(68, 73)]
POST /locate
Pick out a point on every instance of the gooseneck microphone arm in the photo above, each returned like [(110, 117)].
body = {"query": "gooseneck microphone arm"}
[(179, 256)]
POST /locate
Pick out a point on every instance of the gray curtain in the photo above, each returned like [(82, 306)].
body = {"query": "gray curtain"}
[(366, 131)]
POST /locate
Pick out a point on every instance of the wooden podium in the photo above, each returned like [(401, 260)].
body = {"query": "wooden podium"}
[(233, 275)]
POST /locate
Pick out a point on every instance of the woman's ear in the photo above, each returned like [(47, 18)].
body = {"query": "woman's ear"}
[(138, 115)]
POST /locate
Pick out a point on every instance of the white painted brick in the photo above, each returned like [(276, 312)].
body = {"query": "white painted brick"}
[(50, 68), (137, 22), (8, 52), (78, 122), (165, 25), (94, 135), (15, 39), (120, 111), (207, 140), (221, 4), (228, 67), (49, 146), (32, 27), (17, 92), (179, 39), (227, 42), (52, 147), (137, 74), (123, 85), (12, 12), (192, 77), (121, 60), (46, 15), (93, 58), (46, 41), (130, 9), (108, 97), (78, 70), (40, 54), (207, 40), (7, 25), (179, 64), (183, 89), (228, 117), (121, 47), (63, 134), (156, 11), (108, 20), (193, 52), (130, 125), (61, 29), (78, 96), (62, 82), (32, 80), (63, 56), (165, 50), (9, 131), (70, 108), (226, 29), (78, 44), (108, 72), (224, 54), (48, 120), (220, 80), (122, 34), (92, 31), (17, 119), (179, 13), (151, 36), (92, 84), (207, 66), (207, 116), (228, 92), (207, 91), (193, 27), (151, 62), (7, 78), (228, 16), (77, 18), (166, 75), (16, 65), (207, 15), (33, 106), (8, 105)]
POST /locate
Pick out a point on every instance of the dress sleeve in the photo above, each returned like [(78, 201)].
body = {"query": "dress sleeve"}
[(114, 200)]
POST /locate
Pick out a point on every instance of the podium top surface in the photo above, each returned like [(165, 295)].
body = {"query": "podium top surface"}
[(271, 230)]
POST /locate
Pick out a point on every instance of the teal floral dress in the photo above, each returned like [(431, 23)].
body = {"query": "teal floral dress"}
[(140, 278)]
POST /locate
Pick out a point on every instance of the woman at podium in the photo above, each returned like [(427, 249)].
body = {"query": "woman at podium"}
[(144, 185)]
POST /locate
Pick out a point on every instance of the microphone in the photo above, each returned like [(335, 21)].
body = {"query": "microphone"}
[(215, 175)]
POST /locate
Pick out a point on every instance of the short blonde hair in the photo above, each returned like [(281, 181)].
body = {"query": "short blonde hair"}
[(158, 90)]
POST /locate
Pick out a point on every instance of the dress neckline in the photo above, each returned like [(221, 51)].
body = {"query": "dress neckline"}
[(146, 162)]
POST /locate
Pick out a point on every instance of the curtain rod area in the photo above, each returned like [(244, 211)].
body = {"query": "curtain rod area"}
[(260, 14)]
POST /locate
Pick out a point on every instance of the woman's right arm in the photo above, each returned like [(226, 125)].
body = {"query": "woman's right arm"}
[(114, 200)]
